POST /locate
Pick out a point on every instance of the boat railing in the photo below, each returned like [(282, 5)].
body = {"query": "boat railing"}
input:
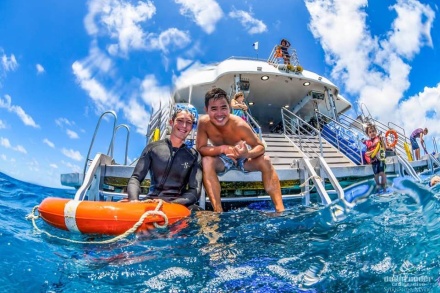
[(340, 136), (110, 149), (305, 133), (434, 144), (90, 184), (291, 63), (127, 139), (158, 122), (256, 128), (383, 128), (355, 124)]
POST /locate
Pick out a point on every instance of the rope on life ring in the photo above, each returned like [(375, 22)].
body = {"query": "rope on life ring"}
[(393, 142), (33, 217)]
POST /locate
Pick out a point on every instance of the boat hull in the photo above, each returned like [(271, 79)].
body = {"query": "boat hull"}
[(101, 217)]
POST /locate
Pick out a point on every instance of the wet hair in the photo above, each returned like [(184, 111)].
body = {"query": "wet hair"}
[(237, 95), (370, 125), (216, 94), (179, 110)]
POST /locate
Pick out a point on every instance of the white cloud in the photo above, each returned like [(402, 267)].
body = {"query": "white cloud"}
[(72, 134), (102, 98), (49, 143), (204, 13), (33, 165), (8, 63), (53, 166), (5, 143), (25, 118), (64, 121), (2, 124), (4, 158), (121, 21), (167, 39), (137, 115), (252, 25), (153, 96), (183, 63), (40, 69), (74, 155), (421, 110), (73, 167), (374, 68)]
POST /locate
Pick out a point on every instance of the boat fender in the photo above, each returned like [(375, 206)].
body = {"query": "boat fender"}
[(408, 151), (156, 134)]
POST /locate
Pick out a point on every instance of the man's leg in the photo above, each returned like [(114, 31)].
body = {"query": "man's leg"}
[(270, 179), (417, 151), (212, 165)]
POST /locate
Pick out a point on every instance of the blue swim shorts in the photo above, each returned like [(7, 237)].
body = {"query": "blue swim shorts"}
[(231, 165), (414, 143)]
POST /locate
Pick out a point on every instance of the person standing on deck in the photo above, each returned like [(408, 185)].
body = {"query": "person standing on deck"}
[(238, 106), (418, 133), (285, 44), (175, 169), (230, 137)]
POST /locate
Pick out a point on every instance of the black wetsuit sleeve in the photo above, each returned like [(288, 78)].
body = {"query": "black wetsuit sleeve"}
[(192, 195), (139, 174)]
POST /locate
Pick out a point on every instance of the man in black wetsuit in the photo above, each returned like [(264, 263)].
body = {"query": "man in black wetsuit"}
[(175, 169)]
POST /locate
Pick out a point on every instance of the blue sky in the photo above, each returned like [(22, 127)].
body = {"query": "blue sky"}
[(62, 63)]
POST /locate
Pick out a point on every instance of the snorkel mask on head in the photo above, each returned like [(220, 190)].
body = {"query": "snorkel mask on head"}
[(186, 107), (193, 111)]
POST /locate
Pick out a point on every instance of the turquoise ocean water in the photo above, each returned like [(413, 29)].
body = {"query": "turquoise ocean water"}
[(387, 243)]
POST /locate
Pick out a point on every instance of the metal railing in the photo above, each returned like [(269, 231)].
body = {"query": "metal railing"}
[(254, 125), (159, 120), (293, 60), (304, 132)]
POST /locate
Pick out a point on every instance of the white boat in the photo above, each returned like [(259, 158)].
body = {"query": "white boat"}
[(299, 115)]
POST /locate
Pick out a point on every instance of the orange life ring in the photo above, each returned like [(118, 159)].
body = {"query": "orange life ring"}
[(395, 138), (105, 217)]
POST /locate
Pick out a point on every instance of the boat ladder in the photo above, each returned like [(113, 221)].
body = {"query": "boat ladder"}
[(404, 165)]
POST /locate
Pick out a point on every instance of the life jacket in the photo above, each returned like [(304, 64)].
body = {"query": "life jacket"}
[(371, 145), (278, 53)]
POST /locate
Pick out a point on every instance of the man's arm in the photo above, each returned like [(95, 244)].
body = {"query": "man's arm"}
[(249, 138), (194, 184), (422, 142), (139, 174)]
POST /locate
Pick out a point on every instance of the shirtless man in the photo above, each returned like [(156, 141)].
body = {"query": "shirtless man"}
[(229, 135)]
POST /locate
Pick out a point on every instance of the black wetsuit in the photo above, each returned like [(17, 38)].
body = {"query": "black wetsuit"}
[(176, 173)]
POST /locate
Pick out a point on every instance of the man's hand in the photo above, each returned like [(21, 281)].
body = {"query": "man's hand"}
[(230, 152), (241, 149)]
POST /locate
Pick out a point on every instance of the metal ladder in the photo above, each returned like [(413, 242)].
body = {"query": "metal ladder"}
[(294, 124)]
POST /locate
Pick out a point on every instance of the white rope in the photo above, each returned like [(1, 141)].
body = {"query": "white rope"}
[(133, 229)]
